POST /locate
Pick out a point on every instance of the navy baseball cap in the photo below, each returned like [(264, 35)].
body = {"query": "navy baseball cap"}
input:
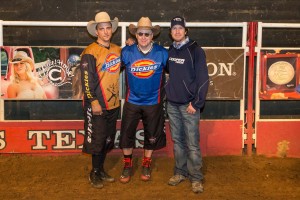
[(178, 21)]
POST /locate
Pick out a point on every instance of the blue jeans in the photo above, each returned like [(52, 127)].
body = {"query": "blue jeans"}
[(185, 134)]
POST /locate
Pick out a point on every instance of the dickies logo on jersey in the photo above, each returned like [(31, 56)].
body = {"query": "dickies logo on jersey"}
[(143, 68), (112, 63)]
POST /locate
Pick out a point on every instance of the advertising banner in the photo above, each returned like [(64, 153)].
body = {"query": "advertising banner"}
[(280, 75), (226, 73), (53, 73), (51, 137), (40, 72), (57, 137)]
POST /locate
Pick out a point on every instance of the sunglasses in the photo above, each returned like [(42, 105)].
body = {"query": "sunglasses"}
[(16, 59), (146, 34)]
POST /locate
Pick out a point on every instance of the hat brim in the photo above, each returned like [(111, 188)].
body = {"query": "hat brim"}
[(28, 60), (155, 29), (91, 26)]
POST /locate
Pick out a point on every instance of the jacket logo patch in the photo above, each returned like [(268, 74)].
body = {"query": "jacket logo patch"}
[(112, 63), (143, 68), (177, 60)]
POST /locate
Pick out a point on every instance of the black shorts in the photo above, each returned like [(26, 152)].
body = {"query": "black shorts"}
[(154, 126), (100, 131)]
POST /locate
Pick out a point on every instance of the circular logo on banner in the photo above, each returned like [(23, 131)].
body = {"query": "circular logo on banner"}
[(56, 72), (281, 72), (143, 68)]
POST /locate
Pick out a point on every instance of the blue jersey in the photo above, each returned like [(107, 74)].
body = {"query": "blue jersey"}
[(144, 74)]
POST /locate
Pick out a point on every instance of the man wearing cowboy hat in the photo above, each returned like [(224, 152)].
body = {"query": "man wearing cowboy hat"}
[(100, 68), (144, 64)]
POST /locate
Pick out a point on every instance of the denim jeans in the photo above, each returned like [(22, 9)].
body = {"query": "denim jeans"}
[(185, 134)]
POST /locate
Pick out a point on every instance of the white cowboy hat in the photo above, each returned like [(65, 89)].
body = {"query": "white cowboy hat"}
[(144, 22), (21, 56), (99, 18)]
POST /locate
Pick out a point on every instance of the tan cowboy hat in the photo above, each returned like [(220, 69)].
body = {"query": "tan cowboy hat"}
[(144, 22), (101, 17), (21, 56)]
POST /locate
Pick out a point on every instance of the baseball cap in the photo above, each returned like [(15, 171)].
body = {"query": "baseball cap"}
[(178, 21)]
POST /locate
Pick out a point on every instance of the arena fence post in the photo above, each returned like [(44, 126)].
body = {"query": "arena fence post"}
[(249, 112)]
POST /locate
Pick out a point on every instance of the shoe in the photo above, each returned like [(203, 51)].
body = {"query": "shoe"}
[(95, 179), (146, 170), (197, 187), (176, 179), (106, 177), (127, 171)]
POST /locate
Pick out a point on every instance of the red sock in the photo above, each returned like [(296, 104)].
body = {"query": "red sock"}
[(146, 161)]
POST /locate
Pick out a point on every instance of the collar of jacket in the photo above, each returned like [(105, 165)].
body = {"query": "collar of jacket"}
[(179, 45)]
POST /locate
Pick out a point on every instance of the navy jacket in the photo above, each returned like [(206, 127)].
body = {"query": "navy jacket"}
[(188, 75)]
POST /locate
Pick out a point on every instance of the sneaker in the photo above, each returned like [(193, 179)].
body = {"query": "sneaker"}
[(127, 171), (106, 177), (95, 179), (146, 170), (197, 187), (176, 179)]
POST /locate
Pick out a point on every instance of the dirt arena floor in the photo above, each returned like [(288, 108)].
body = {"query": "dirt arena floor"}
[(226, 177)]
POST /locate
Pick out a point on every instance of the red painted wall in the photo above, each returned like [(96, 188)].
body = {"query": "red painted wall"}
[(278, 138), (216, 137)]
